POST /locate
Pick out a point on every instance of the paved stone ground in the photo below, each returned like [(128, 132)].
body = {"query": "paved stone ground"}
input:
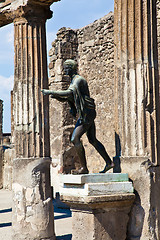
[(63, 220)]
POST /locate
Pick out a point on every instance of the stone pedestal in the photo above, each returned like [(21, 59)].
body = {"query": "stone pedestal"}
[(32, 202), (99, 209)]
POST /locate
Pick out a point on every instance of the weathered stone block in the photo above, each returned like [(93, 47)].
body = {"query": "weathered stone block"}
[(90, 189), (99, 217), (103, 224), (93, 178), (95, 184)]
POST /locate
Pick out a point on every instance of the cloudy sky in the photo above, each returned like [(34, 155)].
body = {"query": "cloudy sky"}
[(66, 13)]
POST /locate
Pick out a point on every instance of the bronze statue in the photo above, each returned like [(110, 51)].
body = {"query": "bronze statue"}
[(81, 104)]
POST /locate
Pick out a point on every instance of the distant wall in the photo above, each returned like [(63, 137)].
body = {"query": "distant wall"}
[(93, 47)]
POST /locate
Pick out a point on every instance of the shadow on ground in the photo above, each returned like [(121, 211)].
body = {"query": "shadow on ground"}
[(64, 212), (64, 237), (5, 224), (6, 210)]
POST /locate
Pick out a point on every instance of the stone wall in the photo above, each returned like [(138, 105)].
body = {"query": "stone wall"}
[(93, 47), (61, 123)]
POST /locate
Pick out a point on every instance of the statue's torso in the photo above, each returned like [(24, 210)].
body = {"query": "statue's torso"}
[(84, 104)]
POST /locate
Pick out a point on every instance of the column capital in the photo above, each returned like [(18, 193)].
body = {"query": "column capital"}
[(31, 13), (30, 9)]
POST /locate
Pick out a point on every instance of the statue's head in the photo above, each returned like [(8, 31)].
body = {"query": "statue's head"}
[(70, 67)]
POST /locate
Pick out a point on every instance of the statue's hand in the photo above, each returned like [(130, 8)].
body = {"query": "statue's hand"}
[(45, 92)]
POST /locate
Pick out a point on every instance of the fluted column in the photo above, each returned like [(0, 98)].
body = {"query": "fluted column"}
[(30, 107), (32, 200), (136, 79)]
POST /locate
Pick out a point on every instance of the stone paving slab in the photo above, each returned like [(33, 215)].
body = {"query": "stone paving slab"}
[(63, 219)]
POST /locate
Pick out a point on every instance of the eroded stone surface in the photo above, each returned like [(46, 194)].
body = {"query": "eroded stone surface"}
[(104, 224), (99, 217), (11, 9), (32, 201)]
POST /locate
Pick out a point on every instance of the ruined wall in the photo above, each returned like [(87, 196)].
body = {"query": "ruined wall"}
[(61, 123), (1, 150), (93, 47)]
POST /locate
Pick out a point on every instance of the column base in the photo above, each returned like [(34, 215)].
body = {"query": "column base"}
[(32, 202)]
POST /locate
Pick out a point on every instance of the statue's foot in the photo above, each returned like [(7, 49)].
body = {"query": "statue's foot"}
[(107, 168), (82, 170)]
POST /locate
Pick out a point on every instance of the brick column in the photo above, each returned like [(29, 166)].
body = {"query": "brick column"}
[(136, 79), (32, 201)]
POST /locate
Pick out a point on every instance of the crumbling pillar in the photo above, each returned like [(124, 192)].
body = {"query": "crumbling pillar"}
[(32, 201)]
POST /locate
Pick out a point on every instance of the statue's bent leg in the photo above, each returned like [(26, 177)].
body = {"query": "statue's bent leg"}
[(91, 134), (77, 134)]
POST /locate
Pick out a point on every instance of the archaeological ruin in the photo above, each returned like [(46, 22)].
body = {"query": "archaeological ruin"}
[(119, 56)]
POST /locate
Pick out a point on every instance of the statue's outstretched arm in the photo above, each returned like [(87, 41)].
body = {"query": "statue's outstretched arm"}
[(46, 92), (63, 94)]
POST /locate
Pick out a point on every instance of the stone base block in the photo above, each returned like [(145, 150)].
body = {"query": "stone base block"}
[(95, 184), (32, 201), (91, 189), (103, 224), (100, 217)]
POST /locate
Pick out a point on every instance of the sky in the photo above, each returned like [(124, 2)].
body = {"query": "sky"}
[(66, 13)]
